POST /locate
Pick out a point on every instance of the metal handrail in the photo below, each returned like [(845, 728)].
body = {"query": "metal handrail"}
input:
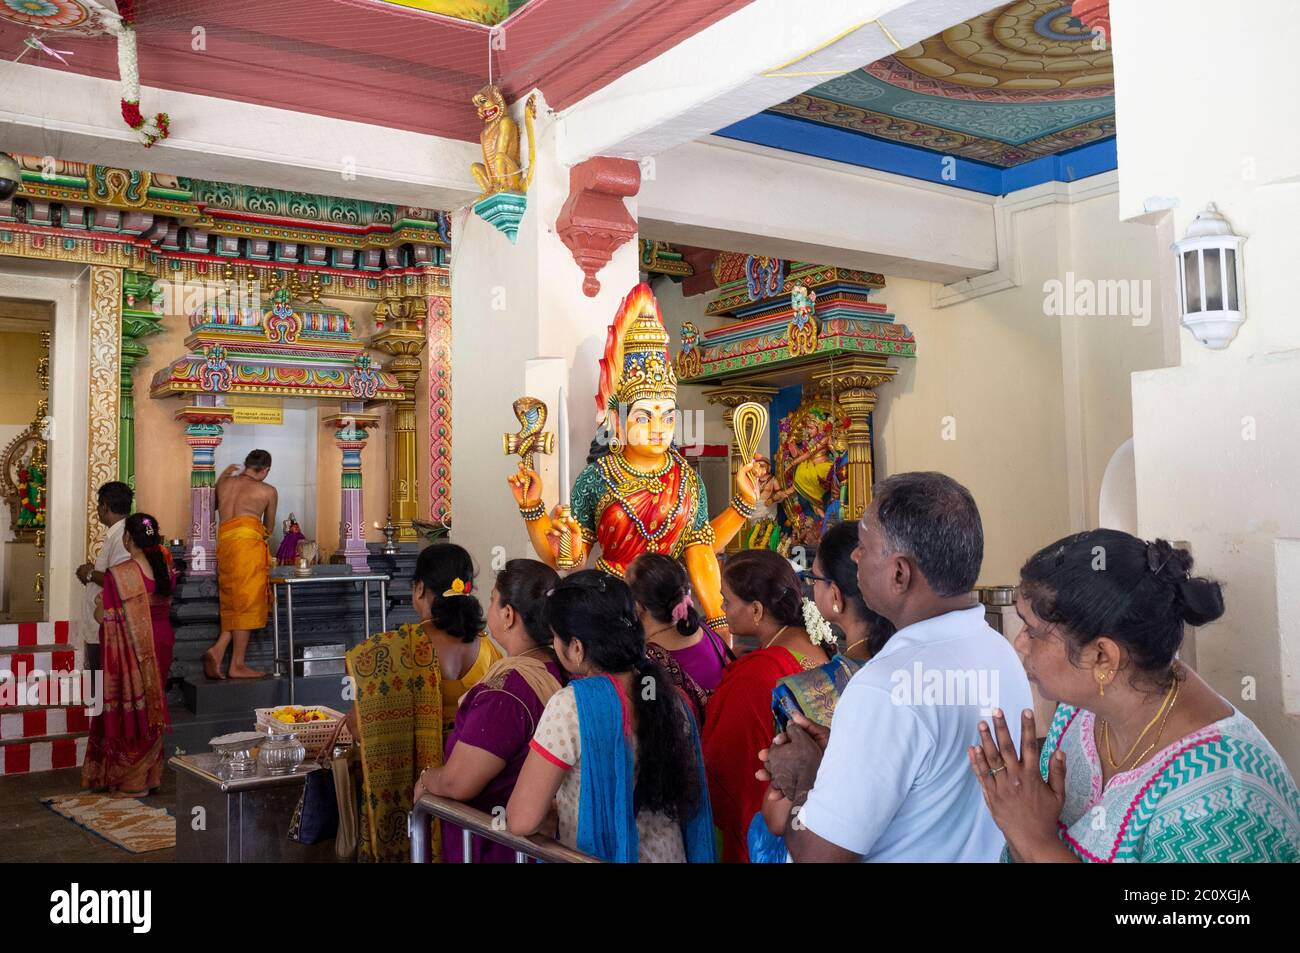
[(289, 582), (475, 823)]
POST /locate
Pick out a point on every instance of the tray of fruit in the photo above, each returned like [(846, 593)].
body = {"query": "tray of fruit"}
[(313, 724)]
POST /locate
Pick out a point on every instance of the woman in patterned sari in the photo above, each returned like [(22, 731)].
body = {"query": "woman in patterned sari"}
[(1144, 761), (616, 755), (403, 706), (124, 753), (761, 596)]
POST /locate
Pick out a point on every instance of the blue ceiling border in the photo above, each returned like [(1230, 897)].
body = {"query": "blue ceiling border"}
[(840, 145)]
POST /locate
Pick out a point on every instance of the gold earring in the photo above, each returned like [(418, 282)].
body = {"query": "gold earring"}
[(1101, 684), (835, 607)]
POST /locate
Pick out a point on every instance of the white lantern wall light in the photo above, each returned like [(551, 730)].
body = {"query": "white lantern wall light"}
[(1210, 292)]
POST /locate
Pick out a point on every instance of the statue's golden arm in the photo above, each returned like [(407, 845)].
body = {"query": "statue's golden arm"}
[(526, 487), (706, 578), (546, 545), (725, 527)]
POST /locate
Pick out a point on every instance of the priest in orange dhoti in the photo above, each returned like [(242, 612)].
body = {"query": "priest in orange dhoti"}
[(246, 504)]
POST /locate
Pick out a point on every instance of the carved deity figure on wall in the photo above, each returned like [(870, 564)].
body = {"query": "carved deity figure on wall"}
[(501, 169), (810, 463)]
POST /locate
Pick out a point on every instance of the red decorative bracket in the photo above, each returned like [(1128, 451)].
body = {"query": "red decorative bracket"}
[(1094, 14), (594, 221)]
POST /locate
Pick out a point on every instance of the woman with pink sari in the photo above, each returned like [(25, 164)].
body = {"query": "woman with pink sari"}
[(124, 754)]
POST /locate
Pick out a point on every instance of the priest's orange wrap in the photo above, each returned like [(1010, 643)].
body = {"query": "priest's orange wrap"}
[(243, 573)]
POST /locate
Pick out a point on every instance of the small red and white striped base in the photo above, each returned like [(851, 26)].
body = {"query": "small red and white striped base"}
[(39, 736), (22, 634), (41, 722), (29, 757)]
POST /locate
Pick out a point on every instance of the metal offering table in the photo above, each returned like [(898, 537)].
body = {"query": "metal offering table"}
[(239, 820), (287, 583)]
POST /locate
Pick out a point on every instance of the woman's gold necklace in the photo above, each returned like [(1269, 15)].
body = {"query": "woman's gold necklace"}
[(852, 646), (650, 636), (1161, 715), (777, 636)]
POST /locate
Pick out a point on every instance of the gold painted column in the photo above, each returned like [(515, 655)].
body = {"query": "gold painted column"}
[(400, 332), (852, 384), (105, 380)]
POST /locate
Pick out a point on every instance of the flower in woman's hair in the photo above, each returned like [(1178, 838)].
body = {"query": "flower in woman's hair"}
[(819, 630), (459, 587)]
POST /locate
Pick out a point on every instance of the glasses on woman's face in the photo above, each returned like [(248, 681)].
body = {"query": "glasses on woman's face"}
[(811, 577)]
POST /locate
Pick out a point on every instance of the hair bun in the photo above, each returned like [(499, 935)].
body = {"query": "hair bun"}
[(1201, 599)]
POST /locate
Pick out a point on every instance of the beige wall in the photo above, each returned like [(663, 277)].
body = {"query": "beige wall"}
[(19, 390), (1035, 404)]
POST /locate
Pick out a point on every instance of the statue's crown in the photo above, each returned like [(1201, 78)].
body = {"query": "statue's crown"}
[(647, 371)]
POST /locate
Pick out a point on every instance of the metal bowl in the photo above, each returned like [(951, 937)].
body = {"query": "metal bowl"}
[(237, 753), (997, 595)]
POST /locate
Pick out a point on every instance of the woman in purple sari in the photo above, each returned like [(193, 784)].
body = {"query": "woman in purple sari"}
[(691, 653), (497, 717)]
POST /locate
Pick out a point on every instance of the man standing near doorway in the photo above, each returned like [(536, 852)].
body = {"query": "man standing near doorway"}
[(115, 499), (246, 504)]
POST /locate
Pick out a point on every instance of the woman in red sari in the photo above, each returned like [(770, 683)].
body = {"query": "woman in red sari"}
[(124, 753), (763, 599)]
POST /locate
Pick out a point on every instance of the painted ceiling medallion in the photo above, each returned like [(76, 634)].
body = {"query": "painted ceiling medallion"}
[(1031, 45), (487, 12), (51, 14), (1025, 80)]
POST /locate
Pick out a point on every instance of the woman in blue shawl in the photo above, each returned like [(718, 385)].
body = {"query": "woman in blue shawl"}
[(616, 755)]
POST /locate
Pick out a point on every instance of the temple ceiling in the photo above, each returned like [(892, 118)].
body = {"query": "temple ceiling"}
[(405, 64), (1024, 81)]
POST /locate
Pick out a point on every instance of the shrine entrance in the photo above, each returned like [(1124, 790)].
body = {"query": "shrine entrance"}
[(286, 429), (25, 329)]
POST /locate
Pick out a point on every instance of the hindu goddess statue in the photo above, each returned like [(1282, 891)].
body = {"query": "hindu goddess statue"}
[(640, 495)]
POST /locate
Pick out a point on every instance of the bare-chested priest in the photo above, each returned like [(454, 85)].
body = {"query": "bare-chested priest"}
[(246, 504)]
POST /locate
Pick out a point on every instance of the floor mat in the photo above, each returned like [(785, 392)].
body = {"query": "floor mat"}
[(128, 823)]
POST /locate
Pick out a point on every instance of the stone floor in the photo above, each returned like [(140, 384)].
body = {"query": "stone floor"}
[(31, 833)]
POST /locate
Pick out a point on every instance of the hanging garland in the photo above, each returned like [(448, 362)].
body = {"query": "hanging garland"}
[(92, 18), (128, 67)]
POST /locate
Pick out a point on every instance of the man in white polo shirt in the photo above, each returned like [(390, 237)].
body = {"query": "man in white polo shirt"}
[(115, 499), (891, 780)]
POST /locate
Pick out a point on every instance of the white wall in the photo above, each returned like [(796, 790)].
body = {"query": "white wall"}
[(292, 445), (1215, 438)]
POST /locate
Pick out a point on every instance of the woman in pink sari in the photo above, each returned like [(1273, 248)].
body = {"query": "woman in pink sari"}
[(124, 753)]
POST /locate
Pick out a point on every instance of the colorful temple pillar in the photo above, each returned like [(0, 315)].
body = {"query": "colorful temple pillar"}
[(139, 320), (400, 324), (203, 433), (351, 435)]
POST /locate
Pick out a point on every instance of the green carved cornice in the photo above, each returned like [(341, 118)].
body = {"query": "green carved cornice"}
[(139, 295)]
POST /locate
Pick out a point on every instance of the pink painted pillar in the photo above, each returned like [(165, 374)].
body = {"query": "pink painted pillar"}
[(203, 434), (351, 439)]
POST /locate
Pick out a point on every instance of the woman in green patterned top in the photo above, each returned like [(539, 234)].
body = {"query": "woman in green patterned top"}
[(1144, 761)]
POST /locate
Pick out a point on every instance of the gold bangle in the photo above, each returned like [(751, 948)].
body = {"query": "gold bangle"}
[(534, 512)]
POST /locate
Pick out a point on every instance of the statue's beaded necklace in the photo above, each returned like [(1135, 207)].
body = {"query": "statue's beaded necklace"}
[(616, 473)]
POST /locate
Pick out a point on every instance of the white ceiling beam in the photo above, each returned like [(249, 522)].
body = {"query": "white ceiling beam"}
[(69, 116), (759, 56), (733, 196)]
